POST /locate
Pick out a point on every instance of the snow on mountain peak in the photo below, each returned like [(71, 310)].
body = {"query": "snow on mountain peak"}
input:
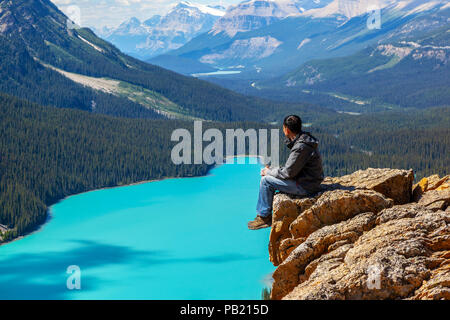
[(201, 7), (133, 21), (347, 8), (417, 6), (353, 8), (130, 26), (160, 34), (253, 14)]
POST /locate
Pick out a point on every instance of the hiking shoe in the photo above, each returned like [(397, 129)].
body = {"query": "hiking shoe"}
[(260, 222)]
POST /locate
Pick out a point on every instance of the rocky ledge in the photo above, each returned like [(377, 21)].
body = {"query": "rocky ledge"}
[(368, 235)]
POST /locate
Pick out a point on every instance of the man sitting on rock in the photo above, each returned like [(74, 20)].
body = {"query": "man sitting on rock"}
[(301, 176)]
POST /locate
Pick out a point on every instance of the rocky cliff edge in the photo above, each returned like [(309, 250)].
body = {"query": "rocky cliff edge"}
[(368, 235)]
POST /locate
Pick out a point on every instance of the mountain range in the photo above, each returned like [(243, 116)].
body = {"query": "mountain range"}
[(266, 42), (402, 72), (289, 38), (160, 34), (332, 57), (255, 14), (49, 153), (47, 61)]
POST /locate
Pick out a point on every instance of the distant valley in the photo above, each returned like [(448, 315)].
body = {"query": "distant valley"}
[(270, 38), (41, 58), (331, 55)]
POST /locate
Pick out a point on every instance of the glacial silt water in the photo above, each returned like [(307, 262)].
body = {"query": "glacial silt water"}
[(172, 239)]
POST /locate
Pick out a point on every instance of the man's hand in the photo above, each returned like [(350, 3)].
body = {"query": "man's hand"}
[(264, 171)]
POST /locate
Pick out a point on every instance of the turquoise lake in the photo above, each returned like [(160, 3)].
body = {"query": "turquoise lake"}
[(216, 73), (171, 239)]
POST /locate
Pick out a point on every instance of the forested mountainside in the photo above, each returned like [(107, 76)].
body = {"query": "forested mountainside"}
[(24, 77), (266, 44), (38, 48), (418, 140), (49, 153), (337, 61), (406, 74)]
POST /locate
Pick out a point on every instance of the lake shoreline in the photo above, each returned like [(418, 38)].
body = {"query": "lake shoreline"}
[(40, 227), (83, 231)]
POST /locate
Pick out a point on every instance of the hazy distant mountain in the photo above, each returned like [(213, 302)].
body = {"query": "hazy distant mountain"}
[(255, 14), (153, 21), (408, 71), (45, 59), (160, 34), (352, 8), (280, 36), (103, 32)]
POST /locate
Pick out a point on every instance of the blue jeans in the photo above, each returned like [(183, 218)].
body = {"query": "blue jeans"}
[(267, 189)]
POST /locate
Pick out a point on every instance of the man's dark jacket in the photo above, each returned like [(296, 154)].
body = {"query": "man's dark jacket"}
[(304, 164)]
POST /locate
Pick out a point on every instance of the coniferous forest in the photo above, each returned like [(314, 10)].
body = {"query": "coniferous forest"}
[(61, 137), (49, 153)]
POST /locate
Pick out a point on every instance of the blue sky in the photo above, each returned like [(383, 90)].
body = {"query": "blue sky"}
[(99, 13)]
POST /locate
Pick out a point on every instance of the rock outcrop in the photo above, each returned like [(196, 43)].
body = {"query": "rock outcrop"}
[(433, 192), (368, 235), (392, 183)]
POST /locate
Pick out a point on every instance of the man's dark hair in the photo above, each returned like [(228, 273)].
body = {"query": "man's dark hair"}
[(293, 123)]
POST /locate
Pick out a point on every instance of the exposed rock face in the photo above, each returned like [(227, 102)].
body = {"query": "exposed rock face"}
[(362, 191), (394, 184), (353, 242), (433, 192), (335, 206), (160, 34), (246, 49), (254, 14), (290, 273), (285, 211)]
